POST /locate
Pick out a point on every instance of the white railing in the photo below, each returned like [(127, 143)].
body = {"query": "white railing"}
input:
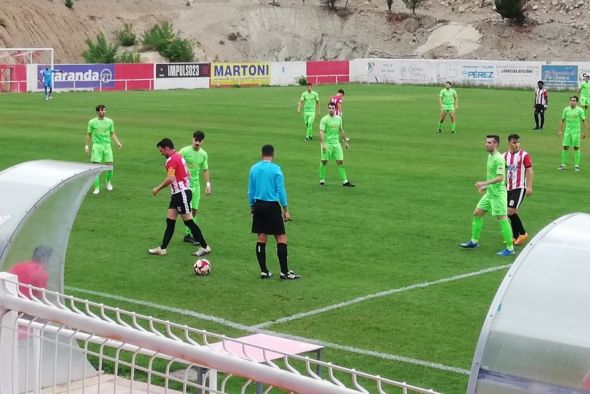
[(24, 85), (59, 340)]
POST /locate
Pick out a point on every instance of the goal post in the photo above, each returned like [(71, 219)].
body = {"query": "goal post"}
[(19, 67)]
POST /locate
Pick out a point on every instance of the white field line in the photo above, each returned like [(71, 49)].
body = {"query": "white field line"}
[(259, 328), (379, 295)]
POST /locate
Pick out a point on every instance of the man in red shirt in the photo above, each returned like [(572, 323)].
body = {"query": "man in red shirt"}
[(33, 272), (519, 182), (177, 177), (337, 101)]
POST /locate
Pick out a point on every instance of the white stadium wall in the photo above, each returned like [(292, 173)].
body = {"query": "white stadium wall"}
[(286, 73)]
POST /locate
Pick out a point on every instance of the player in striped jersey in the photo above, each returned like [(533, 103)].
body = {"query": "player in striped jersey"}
[(519, 182), (177, 177), (337, 101), (541, 100)]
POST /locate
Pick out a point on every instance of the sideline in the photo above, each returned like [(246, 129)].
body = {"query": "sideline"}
[(259, 328)]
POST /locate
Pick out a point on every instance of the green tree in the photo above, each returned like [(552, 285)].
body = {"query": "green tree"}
[(69, 3), (128, 57), (158, 37), (100, 51), (179, 50), (511, 9), (125, 36), (413, 4)]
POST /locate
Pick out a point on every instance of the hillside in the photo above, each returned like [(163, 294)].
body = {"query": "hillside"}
[(242, 30)]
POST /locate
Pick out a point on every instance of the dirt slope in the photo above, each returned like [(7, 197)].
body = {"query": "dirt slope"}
[(240, 30)]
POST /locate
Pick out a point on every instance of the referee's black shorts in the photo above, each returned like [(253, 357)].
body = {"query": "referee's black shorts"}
[(267, 218)]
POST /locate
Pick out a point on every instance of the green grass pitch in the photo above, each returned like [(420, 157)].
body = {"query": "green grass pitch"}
[(400, 226)]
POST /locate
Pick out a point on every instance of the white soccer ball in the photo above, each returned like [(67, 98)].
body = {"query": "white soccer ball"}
[(202, 267)]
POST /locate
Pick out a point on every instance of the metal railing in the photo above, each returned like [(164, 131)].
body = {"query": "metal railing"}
[(58, 339)]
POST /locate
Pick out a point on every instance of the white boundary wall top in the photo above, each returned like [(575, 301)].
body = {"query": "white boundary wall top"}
[(39, 201), (536, 337)]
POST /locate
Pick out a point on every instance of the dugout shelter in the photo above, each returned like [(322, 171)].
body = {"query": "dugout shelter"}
[(39, 201), (536, 336)]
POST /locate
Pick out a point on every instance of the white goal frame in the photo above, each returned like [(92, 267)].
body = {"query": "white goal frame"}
[(29, 58)]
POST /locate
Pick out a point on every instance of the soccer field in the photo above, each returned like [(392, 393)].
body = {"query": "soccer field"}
[(386, 287)]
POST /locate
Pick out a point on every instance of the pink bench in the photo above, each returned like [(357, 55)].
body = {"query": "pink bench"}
[(262, 347)]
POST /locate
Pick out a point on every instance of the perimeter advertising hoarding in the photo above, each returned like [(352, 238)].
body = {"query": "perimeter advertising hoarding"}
[(81, 76), (559, 76), (230, 74), (183, 70), (319, 72)]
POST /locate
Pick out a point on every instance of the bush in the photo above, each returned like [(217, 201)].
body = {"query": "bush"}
[(413, 4), (158, 37), (302, 80), (179, 50), (101, 51), (129, 57), (125, 36), (69, 3), (511, 9)]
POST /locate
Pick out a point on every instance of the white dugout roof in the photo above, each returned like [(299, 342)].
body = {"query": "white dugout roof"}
[(536, 337), (39, 201)]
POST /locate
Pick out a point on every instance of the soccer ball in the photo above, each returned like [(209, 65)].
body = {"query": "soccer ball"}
[(202, 267)]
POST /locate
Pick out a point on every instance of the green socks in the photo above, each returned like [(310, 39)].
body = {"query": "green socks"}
[(97, 181), (476, 227), (440, 125), (577, 155), (342, 173), (109, 175), (453, 126), (309, 129), (506, 233), (323, 171), (564, 157)]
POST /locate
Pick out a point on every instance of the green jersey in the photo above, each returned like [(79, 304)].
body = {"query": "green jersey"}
[(196, 161), (585, 89), (331, 126), (496, 166), (100, 130), (448, 96), (573, 118), (309, 101)]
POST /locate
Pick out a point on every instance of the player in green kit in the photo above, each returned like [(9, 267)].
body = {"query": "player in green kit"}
[(572, 117), (100, 131), (196, 160), (311, 106), (449, 103), (495, 199), (330, 133), (584, 92)]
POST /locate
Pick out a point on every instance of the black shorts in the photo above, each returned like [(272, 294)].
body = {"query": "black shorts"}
[(515, 197), (267, 218), (181, 201), (539, 108)]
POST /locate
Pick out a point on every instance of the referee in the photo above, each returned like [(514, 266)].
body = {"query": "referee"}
[(266, 195)]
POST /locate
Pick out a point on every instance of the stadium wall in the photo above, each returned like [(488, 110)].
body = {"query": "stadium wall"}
[(489, 73)]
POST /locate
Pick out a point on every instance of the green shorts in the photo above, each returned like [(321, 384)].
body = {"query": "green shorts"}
[(571, 139), (584, 100), (308, 118), (497, 205), (101, 153), (449, 108), (333, 152), (196, 189)]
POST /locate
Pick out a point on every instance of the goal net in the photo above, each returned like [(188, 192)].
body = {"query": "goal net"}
[(18, 63)]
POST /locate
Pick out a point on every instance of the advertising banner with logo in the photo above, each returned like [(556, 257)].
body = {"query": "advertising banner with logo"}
[(286, 73), (230, 74), (328, 72), (559, 76), (182, 75), (400, 71), (518, 74), (468, 72), (81, 76), (583, 69)]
